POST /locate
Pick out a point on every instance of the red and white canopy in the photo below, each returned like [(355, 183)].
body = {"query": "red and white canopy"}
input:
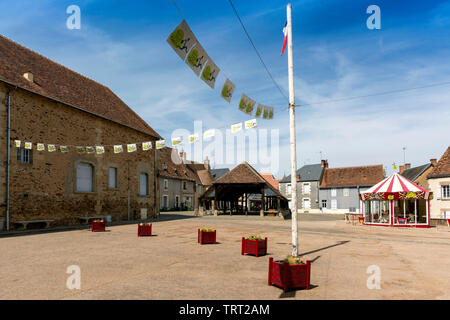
[(395, 187)]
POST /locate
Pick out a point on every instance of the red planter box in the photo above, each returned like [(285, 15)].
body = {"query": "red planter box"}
[(98, 226), (448, 222), (205, 237), (361, 219), (287, 276), (144, 230), (254, 247)]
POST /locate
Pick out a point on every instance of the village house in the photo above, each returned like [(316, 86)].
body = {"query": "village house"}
[(340, 187), (44, 102), (308, 181), (418, 174), (439, 184)]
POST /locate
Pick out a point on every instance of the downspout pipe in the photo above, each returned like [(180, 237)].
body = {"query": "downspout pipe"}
[(8, 163)]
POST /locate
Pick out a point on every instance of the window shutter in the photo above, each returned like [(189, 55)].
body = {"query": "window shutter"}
[(84, 177), (143, 184), (112, 178), (438, 192)]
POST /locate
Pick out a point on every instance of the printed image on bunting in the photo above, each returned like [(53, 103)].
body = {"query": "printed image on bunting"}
[(146, 145), (160, 144), (17, 143), (118, 148), (40, 147), (90, 150), (250, 124), (177, 141), (197, 58), (210, 73), (259, 110), (208, 134), (236, 127), (268, 112), (182, 39), (80, 149), (63, 149), (51, 148), (100, 149), (246, 104), (193, 138), (227, 90), (28, 145), (131, 147)]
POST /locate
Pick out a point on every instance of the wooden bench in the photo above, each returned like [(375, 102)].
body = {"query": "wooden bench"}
[(25, 224), (87, 220)]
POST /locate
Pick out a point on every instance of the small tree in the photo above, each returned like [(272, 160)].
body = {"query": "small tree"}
[(176, 38), (249, 108), (265, 114), (271, 114), (258, 112), (193, 57)]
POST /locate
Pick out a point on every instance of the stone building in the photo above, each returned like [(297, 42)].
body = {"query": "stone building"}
[(439, 184), (50, 104), (418, 174)]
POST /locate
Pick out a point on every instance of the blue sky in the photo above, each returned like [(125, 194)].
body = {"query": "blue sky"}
[(123, 45)]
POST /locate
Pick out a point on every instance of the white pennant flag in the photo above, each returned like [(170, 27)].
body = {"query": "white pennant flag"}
[(118, 148), (51, 148), (63, 149), (160, 144), (177, 141), (131, 147), (209, 134), (90, 150), (40, 147), (17, 143), (250, 124), (193, 138), (100, 149), (146, 145), (236, 127), (80, 149), (28, 145)]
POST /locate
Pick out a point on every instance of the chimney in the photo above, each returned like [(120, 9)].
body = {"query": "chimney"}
[(206, 163), (407, 166), (183, 156), (28, 76), (324, 163), (402, 168), (298, 178), (433, 162)]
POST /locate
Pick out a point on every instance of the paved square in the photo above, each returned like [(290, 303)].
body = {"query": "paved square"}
[(414, 263)]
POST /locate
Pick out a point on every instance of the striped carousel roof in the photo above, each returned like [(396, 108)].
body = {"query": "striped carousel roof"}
[(395, 183)]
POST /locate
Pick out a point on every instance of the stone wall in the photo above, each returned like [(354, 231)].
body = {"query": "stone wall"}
[(46, 188)]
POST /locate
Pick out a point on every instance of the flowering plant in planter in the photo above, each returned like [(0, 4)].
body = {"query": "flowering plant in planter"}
[(98, 225), (254, 245), (144, 229), (206, 235), (289, 273)]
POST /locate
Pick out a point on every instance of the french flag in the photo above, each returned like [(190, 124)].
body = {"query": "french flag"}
[(285, 38)]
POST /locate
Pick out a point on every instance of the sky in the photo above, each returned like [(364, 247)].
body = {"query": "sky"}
[(122, 44)]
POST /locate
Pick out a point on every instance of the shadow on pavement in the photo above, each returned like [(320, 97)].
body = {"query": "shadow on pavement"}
[(324, 248)]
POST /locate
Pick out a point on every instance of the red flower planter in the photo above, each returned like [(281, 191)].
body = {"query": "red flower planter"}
[(144, 230), (361, 219), (254, 247), (205, 237), (98, 226), (287, 276)]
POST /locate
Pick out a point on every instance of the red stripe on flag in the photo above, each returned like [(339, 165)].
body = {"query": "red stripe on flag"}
[(284, 45)]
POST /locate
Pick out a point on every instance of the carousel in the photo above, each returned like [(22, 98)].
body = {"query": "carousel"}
[(398, 202)]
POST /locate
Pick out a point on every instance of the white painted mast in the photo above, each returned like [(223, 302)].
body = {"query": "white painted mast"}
[(292, 134)]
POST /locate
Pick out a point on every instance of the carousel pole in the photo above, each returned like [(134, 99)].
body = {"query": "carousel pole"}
[(292, 133)]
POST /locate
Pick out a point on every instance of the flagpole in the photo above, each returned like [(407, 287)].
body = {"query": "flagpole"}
[(292, 134)]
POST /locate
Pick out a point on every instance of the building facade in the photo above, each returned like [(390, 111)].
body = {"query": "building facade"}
[(340, 187), (308, 181), (439, 184), (418, 174), (50, 104)]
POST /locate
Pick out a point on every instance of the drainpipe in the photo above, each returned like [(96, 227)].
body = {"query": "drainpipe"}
[(155, 181), (9, 159)]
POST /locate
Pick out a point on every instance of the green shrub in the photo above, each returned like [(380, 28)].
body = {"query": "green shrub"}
[(177, 37), (207, 229), (193, 57), (254, 238), (293, 260)]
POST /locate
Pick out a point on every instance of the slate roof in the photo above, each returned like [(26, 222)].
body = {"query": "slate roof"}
[(442, 169), (414, 173), (217, 173), (352, 176), (167, 168), (309, 172), (59, 83)]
